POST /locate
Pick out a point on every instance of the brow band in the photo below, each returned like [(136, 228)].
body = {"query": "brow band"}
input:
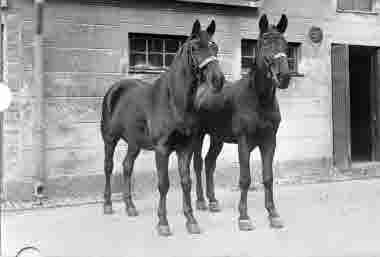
[(207, 61)]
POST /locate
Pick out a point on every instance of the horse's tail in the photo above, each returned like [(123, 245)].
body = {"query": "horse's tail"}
[(110, 100)]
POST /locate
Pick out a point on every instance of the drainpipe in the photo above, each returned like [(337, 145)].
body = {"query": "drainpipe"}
[(39, 117), (5, 96)]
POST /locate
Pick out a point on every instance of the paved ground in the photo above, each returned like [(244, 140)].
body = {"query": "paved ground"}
[(332, 219)]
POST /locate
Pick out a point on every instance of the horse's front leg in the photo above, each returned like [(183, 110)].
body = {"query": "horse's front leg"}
[(210, 164), (128, 163), (244, 150), (184, 156), (267, 151), (162, 162), (198, 166)]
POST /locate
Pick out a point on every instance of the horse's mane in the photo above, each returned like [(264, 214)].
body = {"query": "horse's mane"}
[(181, 59), (183, 52)]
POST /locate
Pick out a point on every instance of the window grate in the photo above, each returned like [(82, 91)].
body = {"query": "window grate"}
[(355, 5), (152, 52)]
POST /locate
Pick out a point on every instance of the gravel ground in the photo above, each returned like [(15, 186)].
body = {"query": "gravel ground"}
[(330, 219)]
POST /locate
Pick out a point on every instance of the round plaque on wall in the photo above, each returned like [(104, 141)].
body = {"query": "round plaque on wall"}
[(315, 34)]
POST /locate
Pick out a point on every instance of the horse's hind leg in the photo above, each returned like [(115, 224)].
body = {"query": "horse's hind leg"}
[(210, 164), (109, 149), (198, 166), (267, 152), (128, 163)]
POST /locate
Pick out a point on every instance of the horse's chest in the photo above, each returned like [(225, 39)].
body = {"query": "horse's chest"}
[(255, 122)]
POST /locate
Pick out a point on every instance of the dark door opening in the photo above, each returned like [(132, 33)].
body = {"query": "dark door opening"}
[(360, 80)]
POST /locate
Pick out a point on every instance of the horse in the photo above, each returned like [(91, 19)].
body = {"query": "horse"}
[(161, 117), (249, 116)]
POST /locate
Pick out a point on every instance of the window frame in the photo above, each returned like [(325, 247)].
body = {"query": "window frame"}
[(295, 45), (372, 10), (147, 37)]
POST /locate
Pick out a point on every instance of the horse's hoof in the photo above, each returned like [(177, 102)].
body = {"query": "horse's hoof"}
[(164, 230), (201, 205), (214, 206), (193, 228), (276, 222), (107, 209), (246, 225), (132, 212)]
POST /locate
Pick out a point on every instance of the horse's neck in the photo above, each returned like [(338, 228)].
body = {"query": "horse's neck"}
[(177, 83), (266, 94)]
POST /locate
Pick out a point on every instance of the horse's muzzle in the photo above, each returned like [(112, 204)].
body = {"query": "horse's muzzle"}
[(284, 80)]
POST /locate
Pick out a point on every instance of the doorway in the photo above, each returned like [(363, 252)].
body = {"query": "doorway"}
[(355, 105), (360, 83)]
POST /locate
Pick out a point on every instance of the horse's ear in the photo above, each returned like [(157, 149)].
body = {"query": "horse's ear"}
[(263, 24), (211, 28), (282, 24), (196, 28)]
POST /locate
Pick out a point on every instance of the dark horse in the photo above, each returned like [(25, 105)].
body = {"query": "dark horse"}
[(161, 117), (248, 115)]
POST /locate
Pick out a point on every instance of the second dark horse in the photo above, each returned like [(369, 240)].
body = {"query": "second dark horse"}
[(162, 117), (249, 116)]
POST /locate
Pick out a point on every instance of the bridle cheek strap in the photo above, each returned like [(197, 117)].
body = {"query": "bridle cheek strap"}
[(207, 61)]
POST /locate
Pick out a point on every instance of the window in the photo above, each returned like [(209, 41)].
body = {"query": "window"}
[(248, 54), (152, 53), (293, 56), (355, 5), (245, 3)]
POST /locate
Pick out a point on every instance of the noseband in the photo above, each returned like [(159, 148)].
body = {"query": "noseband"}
[(207, 61)]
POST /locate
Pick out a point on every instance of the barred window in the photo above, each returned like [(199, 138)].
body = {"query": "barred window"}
[(152, 52), (355, 5)]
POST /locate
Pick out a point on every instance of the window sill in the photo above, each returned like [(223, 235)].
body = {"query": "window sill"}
[(146, 71), (357, 12), (296, 74)]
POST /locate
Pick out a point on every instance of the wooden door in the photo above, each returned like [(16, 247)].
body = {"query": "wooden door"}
[(341, 105), (1, 113), (375, 108)]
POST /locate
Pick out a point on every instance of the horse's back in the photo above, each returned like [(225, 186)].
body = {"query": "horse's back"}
[(124, 104)]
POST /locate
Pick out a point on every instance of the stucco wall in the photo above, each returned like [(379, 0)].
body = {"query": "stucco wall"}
[(86, 45)]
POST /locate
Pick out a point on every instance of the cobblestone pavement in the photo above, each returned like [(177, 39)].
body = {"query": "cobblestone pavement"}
[(329, 219)]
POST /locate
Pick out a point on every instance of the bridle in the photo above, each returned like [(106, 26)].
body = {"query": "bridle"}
[(269, 62), (197, 67)]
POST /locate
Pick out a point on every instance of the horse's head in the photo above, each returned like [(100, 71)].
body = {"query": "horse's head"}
[(209, 76), (196, 69), (271, 52)]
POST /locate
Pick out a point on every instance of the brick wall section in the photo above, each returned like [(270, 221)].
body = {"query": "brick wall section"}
[(85, 46)]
